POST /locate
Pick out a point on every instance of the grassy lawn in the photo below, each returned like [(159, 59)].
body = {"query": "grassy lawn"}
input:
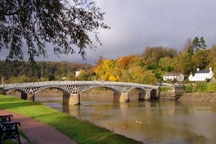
[(80, 131)]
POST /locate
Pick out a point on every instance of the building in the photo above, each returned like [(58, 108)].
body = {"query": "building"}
[(201, 75), (77, 73), (174, 76)]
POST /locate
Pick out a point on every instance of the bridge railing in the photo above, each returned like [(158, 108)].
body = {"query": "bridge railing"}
[(57, 83)]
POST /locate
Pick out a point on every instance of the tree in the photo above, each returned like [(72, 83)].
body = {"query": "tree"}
[(198, 44), (99, 60), (212, 58), (153, 54), (66, 24), (189, 47), (183, 63), (164, 64), (202, 43), (200, 59)]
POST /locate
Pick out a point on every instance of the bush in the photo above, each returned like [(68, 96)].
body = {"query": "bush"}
[(188, 88), (201, 87), (211, 87)]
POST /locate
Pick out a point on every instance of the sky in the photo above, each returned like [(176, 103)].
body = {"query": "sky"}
[(137, 24)]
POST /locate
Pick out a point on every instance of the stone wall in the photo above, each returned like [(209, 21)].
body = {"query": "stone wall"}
[(173, 94), (198, 97)]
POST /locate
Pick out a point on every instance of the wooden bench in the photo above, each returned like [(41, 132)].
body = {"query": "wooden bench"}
[(8, 129)]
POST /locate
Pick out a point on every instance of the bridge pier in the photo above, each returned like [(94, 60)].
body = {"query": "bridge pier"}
[(148, 95), (142, 96), (26, 96), (121, 97), (151, 94), (71, 99)]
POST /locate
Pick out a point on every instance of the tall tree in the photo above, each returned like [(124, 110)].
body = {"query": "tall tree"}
[(66, 24), (202, 43), (189, 47), (196, 44), (199, 44)]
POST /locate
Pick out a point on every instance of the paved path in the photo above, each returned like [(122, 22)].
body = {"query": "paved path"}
[(37, 132)]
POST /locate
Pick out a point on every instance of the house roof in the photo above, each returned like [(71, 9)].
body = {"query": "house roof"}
[(173, 74), (203, 71)]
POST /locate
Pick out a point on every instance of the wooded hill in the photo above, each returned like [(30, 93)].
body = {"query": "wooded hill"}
[(20, 71), (147, 67), (150, 66)]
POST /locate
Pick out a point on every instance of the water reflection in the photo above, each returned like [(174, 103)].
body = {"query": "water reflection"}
[(150, 122)]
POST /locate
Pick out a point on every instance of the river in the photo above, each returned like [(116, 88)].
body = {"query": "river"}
[(161, 122)]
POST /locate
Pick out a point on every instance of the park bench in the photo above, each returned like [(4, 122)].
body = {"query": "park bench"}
[(8, 129), (5, 118)]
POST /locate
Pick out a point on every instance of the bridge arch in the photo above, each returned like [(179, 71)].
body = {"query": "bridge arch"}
[(73, 89)]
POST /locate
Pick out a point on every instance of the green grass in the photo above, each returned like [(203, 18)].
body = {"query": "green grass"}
[(165, 88), (80, 131)]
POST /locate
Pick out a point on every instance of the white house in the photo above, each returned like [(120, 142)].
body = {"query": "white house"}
[(178, 76), (201, 75), (77, 73)]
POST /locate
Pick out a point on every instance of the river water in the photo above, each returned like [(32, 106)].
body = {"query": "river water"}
[(162, 122)]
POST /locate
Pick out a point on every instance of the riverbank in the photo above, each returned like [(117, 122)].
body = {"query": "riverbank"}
[(81, 131), (198, 97), (37, 132)]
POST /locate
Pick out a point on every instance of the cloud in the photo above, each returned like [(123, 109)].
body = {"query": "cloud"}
[(138, 24)]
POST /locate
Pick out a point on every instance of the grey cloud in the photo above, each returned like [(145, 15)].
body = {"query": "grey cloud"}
[(138, 24)]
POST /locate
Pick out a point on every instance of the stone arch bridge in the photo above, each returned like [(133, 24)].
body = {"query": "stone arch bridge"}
[(73, 89)]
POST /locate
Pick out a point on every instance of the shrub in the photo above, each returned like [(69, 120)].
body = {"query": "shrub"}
[(188, 88), (201, 87), (211, 87)]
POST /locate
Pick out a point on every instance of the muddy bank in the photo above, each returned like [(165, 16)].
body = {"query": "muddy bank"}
[(198, 97)]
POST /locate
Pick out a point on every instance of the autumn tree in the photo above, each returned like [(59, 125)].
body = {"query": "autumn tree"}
[(105, 69), (99, 60), (83, 75), (138, 74), (212, 58), (65, 24), (123, 61), (183, 63), (200, 59), (192, 57), (125, 69), (165, 64), (189, 47), (153, 54)]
